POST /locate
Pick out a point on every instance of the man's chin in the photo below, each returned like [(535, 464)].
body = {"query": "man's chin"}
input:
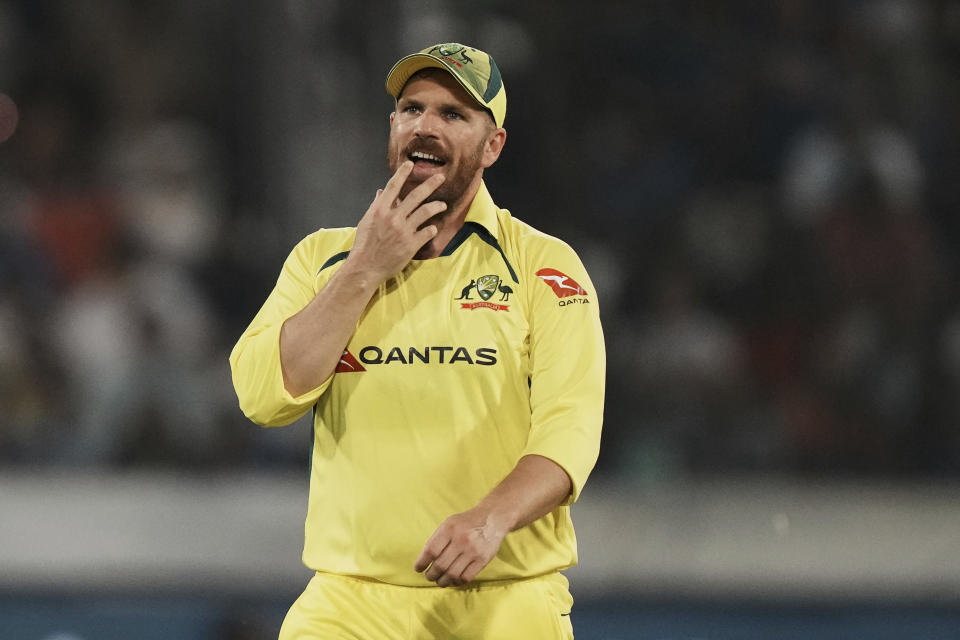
[(408, 186), (423, 253), (440, 194), (434, 219)]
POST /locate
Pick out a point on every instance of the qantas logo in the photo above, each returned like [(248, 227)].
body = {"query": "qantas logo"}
[(562, 284), (372, 355), (348, 363)]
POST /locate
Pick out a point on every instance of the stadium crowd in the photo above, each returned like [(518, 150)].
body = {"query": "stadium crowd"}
[(763, 196)]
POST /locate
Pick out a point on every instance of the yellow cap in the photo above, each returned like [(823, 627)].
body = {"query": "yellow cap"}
[(475, 70)]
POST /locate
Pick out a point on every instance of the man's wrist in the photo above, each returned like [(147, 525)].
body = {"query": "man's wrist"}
[(498, 518), (359, 277)]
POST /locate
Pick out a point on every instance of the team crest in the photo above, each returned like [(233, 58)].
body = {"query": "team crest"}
[(487, 286)]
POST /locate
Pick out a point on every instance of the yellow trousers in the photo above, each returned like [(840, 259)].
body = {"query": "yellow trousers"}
[(341, 607)]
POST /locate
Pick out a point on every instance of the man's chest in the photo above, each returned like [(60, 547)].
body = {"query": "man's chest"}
[(462, 311)]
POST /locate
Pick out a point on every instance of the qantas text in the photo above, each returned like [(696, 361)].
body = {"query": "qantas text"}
[(439, 355)]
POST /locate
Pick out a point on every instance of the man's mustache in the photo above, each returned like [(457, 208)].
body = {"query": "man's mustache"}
[(425, 146)]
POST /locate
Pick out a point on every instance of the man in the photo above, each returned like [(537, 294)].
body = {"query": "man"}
[(451, 432)]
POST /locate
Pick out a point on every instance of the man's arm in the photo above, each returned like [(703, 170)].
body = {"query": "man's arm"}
[(466, 542), (388, 236), (566, 401)]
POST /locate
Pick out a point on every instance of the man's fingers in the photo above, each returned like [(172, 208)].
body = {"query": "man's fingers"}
[(426, 211), (425, 235), (442, 564), (392, 188), (458, 550), (471, 570), (421, 191), (423, 560), (431, 551), (454, 573), (376, 197)]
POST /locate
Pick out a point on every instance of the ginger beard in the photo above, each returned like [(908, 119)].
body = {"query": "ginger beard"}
[(459, 174)]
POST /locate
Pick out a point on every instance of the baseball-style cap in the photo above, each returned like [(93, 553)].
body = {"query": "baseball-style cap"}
[(475, 70)]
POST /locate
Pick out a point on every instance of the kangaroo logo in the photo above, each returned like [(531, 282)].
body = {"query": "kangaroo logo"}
[(562, 284), (465, 293), (452, 49)]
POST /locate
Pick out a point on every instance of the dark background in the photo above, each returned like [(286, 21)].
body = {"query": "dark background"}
[(761, 191)]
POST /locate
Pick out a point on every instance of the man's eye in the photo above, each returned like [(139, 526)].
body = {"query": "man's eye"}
[(453, 115), (410, 108)]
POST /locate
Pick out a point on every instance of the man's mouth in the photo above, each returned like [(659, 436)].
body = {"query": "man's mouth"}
[(419, 157)]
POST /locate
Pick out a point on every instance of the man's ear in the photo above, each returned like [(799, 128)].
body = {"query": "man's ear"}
[(493, 147), (393, 114)]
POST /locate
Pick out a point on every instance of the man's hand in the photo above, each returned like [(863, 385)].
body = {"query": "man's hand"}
[(460, 547), (466, 542), (389, 233)]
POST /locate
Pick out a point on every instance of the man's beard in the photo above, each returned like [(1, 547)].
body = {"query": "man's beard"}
[(454, 187)]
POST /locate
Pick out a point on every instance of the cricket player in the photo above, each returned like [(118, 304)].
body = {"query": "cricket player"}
[(453, 359)]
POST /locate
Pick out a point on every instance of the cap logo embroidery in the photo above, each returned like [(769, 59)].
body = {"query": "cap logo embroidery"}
[(451, 49)]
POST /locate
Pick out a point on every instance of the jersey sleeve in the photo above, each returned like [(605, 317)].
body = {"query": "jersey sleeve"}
[(255, 359), (568, 364)]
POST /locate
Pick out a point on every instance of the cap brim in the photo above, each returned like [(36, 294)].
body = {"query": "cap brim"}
[(409, 65)]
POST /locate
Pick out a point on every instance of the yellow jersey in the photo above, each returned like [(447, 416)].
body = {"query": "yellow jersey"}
[(458, 367)]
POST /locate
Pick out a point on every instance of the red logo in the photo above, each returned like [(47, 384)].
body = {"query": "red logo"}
[(348, 363), (562, 284)]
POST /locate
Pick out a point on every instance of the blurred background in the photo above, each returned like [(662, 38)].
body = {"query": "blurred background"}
[(761, 191)]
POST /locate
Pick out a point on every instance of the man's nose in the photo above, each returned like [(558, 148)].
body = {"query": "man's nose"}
[(426, 125)]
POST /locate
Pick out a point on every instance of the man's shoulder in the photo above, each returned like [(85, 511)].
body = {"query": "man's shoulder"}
[(325, 243), (333, 235), (530, 240)]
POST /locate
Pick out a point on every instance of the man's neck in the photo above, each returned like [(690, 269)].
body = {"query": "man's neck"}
[(450, 222)]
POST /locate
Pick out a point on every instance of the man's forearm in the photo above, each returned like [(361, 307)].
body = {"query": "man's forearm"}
[(312, 341), (388, 236), (535, 487)]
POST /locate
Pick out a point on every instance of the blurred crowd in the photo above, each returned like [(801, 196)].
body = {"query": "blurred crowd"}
[(762, 193)]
